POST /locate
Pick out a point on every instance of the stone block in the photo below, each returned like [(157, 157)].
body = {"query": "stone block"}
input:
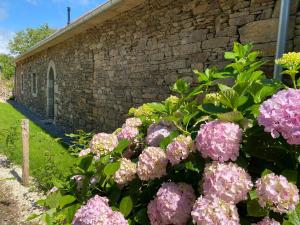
[(215, 42), (262, 31), (238, 21), (201, 8), (227, 32), (198, 35), (267, 49)]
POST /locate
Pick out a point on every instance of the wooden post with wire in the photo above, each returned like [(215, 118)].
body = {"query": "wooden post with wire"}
[(25, 147)]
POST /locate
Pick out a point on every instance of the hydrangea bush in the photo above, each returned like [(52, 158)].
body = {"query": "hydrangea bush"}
[(223, 152)]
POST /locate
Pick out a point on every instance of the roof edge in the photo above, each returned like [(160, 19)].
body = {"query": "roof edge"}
[(68, 29)]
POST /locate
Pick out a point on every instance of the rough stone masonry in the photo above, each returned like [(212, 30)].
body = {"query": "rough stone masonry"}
[(135, 57)]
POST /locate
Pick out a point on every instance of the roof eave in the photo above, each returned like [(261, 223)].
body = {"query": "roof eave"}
[(102, 13)]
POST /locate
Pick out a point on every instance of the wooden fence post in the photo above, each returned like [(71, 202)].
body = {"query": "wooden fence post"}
[(25, 146)]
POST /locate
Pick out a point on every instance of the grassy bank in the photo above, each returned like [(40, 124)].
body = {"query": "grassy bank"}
[(48, 159)]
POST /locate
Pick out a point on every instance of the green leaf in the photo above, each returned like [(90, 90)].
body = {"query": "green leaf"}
[(65, 200), (254, 209), (167, 140), (229, 55), (141, 217), (85, 162), (291, 175), (181, 86), (126, 205), (241, 101), (293, 218), (266, 172), (186, 119), (254, 109), (212, 109), (32, 217), (111, 169), (253, 195), (70, 211), (156, 107), (53, 199), (41, 202), (264, 92), (298, 82), (122, 145), (229, 96), (201, 76), (234, 116)]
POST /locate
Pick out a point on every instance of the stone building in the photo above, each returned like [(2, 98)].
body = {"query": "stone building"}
[(126, 52)]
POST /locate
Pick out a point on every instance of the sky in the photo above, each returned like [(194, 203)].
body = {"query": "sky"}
[(17, 15)]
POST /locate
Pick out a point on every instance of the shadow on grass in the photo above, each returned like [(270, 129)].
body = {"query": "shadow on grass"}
[(47, 126)]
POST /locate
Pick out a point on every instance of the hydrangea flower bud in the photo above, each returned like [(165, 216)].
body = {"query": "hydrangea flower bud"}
[(281, 115), (276, 193), (226, 181), (179, 149), (126, 172), (219, 140), (102, 143), (152, 163), (212, 211)]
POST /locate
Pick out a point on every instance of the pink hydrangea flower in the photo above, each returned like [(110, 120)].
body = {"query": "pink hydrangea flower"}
[(152, 163), (128, 133), (179, 149), (267, 221), (126, 172), (98, 212), (226, 181), (133, 122), (153, 213), (219, 140), (277, 193), (156, 132), (84, 152), (172, 205), (102, 143), (214, 211), (281, 115)]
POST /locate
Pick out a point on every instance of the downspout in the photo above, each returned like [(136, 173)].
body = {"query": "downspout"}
[(282, 35)]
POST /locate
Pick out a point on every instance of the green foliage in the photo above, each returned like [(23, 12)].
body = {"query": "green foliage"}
[(7, 66), (293, 218), (232, 94), (79, 140), (23, 40)]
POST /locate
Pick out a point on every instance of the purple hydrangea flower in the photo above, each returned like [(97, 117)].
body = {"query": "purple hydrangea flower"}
[(281, 115)]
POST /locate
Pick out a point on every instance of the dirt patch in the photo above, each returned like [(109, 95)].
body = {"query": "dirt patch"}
[(16, 201), (9, 209)]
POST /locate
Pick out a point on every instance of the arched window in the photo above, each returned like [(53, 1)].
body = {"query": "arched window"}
[(50, 91)]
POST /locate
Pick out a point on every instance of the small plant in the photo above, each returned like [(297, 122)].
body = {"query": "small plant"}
[(80, 140)]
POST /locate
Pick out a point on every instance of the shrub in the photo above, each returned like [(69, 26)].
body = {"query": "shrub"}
[(219, 117)]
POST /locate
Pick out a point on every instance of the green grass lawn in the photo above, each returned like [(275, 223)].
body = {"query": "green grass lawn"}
[(49, 160)]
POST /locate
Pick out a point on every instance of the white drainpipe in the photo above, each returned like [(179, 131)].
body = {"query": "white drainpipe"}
[(282, 35)]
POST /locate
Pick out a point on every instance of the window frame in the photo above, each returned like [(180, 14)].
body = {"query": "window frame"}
[(34, 82), (22, 82)]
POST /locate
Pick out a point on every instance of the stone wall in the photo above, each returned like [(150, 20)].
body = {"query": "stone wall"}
[(136, 56)]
